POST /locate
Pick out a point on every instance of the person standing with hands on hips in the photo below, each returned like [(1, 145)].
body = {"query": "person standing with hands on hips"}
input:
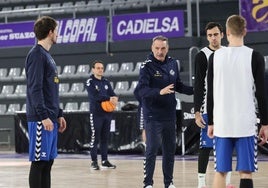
[(214, 32), (44, 116), (235, 80), (99, 89), (158, 80)]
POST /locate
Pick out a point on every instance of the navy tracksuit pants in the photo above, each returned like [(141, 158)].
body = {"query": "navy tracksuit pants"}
[(100, 130), (157, 131)]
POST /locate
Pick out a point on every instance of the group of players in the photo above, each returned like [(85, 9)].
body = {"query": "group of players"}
[(227, 81)]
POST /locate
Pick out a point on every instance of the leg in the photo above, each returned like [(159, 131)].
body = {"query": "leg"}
[(35, 175), (95, 126), (206, 145), (246, 146), (168, 149), (46, 174), (203, 158), (228, 180), (104, 136), (223, 160), (219, 180), (152, 144), (246, 180)]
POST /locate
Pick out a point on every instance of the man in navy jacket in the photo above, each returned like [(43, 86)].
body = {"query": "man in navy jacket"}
[(99, 89), (159, 79)]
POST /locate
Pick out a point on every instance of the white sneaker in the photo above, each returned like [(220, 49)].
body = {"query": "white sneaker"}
[(149, 186), (171, 186)]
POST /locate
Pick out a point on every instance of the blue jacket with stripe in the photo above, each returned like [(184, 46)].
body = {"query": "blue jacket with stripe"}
[(154, 76)]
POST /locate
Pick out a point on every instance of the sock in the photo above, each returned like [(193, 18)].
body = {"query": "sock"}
[(201, 180), (228, 178), (246, 183)]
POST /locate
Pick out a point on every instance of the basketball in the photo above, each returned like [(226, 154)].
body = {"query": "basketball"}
[(107, 106)]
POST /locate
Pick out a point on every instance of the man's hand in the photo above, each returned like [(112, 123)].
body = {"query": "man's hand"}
[(210, 132), (167, 90), (263, 134), (114, 100), (62, 124), (48, 124), (199, 121)]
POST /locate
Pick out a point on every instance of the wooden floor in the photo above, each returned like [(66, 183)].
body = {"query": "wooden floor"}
[(72, 171)]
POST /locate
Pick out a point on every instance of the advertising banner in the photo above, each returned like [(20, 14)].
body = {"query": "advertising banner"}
[(69, 31), (256, 14), (148, 25)]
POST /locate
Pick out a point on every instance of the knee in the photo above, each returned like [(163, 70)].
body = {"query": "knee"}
[(245, 175)]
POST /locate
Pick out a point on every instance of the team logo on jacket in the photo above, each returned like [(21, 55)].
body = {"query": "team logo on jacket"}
[(157, 74), (172, 72)]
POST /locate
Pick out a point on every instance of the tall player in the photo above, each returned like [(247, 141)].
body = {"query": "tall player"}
[(44, 115), (235, 79), (214, 32)]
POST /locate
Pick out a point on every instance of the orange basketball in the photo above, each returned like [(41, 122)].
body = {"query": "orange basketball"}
[(107, 106)]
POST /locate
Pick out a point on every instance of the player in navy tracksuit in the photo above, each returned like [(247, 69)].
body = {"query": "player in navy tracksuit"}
[(99, 89), (159, 79), (44, 116)]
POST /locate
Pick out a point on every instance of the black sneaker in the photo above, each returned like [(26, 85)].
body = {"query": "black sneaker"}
[(107, 164), (94, 165)]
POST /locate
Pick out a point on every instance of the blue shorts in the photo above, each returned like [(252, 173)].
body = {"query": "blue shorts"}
[(246, 151), (42, 143), (205, 141)]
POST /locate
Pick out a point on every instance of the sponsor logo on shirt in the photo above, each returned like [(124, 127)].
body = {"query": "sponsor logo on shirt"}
[(157, 74), (56, 79)]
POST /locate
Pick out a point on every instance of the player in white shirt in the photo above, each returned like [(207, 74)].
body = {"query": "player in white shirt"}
[(235, 77)]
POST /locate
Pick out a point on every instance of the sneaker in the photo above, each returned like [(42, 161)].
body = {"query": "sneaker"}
[(107, 164), (94, 165), (230, 186), (149, 186), (171, 186)]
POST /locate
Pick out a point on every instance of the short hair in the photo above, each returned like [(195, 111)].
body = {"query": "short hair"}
[(211, 25), (160, 37), (43, 25), (95, 62), (236, 25)]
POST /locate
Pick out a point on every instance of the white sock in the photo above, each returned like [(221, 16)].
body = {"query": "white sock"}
[(228, 178), (201, 180)]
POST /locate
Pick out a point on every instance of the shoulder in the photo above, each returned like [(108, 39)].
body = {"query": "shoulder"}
[(171, 59), (89, 80), (106, 80), (222, 50), (146, 63), (200, 55), (35, 52)]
